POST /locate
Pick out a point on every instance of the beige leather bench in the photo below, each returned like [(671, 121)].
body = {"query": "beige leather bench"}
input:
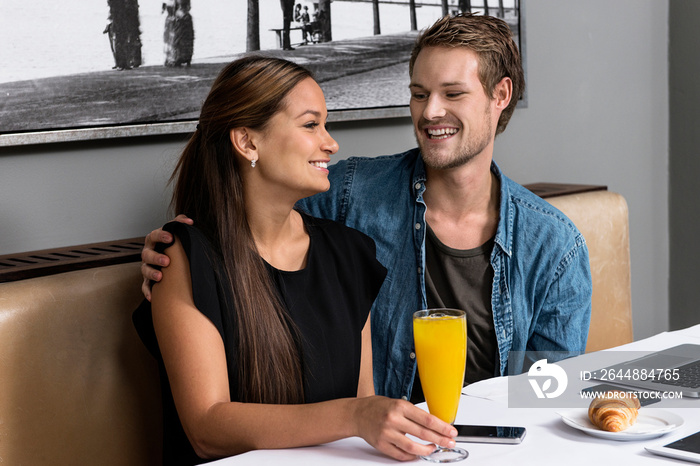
[(78, 387), (602, 217)]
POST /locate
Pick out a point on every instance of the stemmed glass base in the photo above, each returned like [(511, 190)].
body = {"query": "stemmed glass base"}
[(446, 455)]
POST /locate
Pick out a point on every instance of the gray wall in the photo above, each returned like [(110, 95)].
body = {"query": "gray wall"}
[(684, 71), (597, 113)]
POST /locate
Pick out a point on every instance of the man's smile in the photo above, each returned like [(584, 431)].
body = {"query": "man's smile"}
[(441, 133)]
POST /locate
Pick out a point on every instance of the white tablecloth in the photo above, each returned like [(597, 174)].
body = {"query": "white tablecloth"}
[(548, 439)]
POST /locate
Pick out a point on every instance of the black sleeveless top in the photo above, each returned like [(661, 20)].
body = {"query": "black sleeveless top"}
[(328, 301)]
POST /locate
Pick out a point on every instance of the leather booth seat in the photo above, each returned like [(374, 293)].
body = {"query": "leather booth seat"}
[(603, 219), (77, 386)]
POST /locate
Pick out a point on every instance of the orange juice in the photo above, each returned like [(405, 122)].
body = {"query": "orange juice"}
[(440, 338)]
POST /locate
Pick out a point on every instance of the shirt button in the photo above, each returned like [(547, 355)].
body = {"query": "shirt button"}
[(412, 355), (417, 226), (405, 398), (418, 186)]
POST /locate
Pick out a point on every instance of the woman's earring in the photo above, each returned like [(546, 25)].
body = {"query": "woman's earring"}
[(252, 163)]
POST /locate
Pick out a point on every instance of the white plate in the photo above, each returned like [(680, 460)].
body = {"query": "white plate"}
[(651, 423)]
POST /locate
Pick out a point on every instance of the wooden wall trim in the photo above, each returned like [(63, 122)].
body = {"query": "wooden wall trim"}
[(32, 264)]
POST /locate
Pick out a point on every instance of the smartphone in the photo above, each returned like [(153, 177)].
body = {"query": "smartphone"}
[(489, 434)]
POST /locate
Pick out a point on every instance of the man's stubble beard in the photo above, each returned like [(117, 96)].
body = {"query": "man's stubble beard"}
[(474, 147)]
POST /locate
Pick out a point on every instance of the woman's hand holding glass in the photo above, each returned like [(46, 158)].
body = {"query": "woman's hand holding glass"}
[(384, 422)]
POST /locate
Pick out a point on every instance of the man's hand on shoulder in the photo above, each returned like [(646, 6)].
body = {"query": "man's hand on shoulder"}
[(150, 259)]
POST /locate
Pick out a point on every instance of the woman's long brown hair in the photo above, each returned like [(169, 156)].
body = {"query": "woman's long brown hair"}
[(259, 338)]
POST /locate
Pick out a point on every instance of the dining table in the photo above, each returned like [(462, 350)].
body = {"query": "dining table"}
[(548, 440)]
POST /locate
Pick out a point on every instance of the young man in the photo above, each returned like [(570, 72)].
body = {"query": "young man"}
[(451, 229)]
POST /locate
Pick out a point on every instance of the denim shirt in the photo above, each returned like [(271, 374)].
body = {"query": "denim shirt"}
[(541, 296)]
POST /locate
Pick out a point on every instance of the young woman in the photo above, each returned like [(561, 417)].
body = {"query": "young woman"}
[(261, 321)]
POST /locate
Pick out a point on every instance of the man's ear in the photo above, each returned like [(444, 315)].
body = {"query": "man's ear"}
[(243, 143), (503, 92)]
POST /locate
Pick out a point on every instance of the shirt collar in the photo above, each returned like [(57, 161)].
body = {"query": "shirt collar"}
[(504, 232), (504, 235)]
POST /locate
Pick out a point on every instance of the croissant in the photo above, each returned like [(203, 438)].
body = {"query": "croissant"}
[(614, 411)]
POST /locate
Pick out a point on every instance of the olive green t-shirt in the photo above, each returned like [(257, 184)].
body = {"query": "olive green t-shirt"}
[(462, 279)]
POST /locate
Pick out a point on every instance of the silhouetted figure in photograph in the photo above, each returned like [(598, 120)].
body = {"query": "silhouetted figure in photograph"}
[(287, 15), (320, 26), (305, 25), (124, 33), (178, 34)]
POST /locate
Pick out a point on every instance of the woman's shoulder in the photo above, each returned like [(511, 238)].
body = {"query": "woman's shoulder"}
[(206, 270), (205, 262)]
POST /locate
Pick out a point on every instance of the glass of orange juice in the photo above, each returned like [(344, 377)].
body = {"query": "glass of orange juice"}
[(440, 337)]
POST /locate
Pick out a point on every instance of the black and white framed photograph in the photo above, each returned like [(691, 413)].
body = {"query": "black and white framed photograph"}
[(80, 69)]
